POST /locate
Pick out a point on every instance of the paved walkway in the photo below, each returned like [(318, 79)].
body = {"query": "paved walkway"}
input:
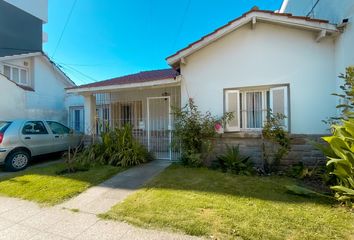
[(21, 219), (101, 198)]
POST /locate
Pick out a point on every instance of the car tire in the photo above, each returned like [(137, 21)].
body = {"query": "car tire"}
[(17, 161)]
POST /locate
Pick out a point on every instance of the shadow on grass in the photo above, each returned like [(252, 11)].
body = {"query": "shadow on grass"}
[(205, 181)]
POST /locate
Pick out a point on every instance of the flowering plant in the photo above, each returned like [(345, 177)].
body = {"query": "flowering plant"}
[(218, 127)]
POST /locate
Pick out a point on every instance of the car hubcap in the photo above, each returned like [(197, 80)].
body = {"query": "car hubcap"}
[(19, 161)]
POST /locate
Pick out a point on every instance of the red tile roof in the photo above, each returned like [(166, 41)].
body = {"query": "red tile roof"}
[(244, 15), (140, 77)]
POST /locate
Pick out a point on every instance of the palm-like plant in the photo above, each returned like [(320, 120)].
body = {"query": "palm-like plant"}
[(233, 161)]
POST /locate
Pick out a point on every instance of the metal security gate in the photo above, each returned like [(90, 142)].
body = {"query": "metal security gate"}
[(159, 127)]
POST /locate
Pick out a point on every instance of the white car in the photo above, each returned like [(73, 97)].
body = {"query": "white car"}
[(20, 140)]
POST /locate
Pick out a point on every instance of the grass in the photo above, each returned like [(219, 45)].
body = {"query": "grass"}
[(43, 185), (203, 202)]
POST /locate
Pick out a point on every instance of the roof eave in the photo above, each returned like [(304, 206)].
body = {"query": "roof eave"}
[(318, 26)]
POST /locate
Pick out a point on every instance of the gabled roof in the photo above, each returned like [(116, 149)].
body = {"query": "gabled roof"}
[(163, 76), (253, 16)]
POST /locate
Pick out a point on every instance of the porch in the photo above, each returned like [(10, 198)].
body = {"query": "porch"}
[(146, 106)]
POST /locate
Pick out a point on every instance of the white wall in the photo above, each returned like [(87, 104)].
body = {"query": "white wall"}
[(37, 8), (47, 101), (269, 54), (334, 11), (12, 100)]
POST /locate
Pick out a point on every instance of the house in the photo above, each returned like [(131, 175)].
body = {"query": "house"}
[(261, 60), (32, 86)]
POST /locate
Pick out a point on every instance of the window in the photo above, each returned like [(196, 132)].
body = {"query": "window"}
[(58, 128), (250, 107), (16, 74), (77, 123), (34, 127), (76, 118)]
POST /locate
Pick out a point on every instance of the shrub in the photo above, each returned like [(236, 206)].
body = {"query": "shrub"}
[(118, 148), (346, 98), (277, 143), (193, 132), (234, 162), (340, 162)]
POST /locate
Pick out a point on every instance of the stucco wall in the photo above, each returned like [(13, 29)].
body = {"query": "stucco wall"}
[(47, 101), (12, 100), (270, 54), (334, 11)]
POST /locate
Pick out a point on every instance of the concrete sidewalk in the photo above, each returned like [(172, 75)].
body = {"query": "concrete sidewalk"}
[(21, 220), (100, 198)]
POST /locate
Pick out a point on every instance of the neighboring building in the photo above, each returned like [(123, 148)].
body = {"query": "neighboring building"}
[(21, 26), (337, 12), (31, 85)]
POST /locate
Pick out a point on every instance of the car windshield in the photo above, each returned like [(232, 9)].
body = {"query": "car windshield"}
[(3, 126)]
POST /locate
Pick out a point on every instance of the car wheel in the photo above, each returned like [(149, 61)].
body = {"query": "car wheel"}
[(17, 160)]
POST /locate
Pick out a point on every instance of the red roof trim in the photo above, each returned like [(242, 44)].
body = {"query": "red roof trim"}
[(244, 15), (140, 77)]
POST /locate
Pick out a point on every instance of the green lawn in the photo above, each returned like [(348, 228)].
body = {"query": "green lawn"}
[(43, 185), (209, 203)]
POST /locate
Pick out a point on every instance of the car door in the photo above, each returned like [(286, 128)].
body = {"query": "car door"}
[(61, 135), (36, 137)]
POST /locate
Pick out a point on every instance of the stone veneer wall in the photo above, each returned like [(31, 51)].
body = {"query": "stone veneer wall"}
[(302, 148)]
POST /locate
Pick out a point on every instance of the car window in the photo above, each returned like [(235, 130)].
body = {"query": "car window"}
[(34, 127), (3, 126), (58, 128)]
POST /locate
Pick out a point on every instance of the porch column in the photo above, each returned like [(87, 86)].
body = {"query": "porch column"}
[(90, 114)]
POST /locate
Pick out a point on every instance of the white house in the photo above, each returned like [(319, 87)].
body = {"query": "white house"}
[(262, 60), (32, 86)]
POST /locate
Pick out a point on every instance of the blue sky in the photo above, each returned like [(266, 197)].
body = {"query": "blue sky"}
[(119, 37)]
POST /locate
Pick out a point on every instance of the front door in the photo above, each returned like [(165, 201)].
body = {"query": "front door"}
[(159, 126)]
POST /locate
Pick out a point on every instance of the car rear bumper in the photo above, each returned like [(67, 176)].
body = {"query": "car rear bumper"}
[(3, 154)]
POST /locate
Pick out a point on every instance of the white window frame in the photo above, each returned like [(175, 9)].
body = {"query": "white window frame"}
[(19, 73), (228, 127), (286, 104), (242, 111)]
